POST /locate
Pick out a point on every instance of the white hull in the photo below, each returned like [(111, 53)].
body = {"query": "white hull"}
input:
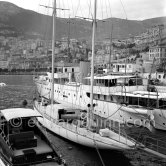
[(83, 136), (76, 96), (2, 163)]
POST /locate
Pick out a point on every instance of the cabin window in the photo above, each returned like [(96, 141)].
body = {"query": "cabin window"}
[(106, 83), (109, 98), (72, 69), (95, 96), (151, 103), (65, 69), (162, 104), (101, 97), (137, 101), (88, 94)]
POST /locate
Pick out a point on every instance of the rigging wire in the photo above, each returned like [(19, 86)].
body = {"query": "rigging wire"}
[(63, 6), (99, 153), (106, 9), (72, 7), (77, 7), (110, 8), (123, 9), (89, 10)]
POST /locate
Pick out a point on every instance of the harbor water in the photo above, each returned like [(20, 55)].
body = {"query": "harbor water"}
[(21, 87)]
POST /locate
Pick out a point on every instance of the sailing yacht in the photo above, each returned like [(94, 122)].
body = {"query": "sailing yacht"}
[(123, 98), (79, 125), (115, 96)]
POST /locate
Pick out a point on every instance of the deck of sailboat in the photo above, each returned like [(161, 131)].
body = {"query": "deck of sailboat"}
[(42, 147)]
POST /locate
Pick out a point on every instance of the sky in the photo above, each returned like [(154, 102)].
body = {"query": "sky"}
[(125, 9)]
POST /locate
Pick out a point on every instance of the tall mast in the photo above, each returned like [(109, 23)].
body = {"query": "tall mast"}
[(109, 60), (53, 50), (68, 39), (93, 52)]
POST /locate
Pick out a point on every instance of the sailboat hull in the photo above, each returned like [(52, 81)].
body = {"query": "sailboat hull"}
[(83, 136)]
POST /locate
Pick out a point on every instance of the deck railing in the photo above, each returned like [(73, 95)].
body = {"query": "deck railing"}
[(155, 144)]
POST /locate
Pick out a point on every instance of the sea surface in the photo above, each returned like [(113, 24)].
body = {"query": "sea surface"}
[(21, 87)]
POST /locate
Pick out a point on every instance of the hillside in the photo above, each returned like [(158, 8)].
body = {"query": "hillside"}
[(20, 21)]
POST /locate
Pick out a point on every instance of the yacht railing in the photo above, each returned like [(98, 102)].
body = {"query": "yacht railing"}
[(155, 144)]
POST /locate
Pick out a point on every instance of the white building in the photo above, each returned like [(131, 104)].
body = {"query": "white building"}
[(124, 67), (158, 52)]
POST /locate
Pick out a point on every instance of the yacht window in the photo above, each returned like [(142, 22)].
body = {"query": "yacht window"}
[(101, 97), (109, 98), (106, 83), (88, 94), (95, 96), (162, 104)]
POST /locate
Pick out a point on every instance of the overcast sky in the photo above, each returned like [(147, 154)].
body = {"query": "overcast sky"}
[(130, 9)]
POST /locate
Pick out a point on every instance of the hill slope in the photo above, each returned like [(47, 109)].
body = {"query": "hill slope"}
[(30, 23)]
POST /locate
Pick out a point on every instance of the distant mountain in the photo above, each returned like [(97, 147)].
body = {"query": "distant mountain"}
[(19, 21)]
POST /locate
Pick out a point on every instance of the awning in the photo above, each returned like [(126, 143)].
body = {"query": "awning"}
[(13, 113)]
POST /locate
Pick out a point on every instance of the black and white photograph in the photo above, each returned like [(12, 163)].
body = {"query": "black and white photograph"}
[(82, 82)]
